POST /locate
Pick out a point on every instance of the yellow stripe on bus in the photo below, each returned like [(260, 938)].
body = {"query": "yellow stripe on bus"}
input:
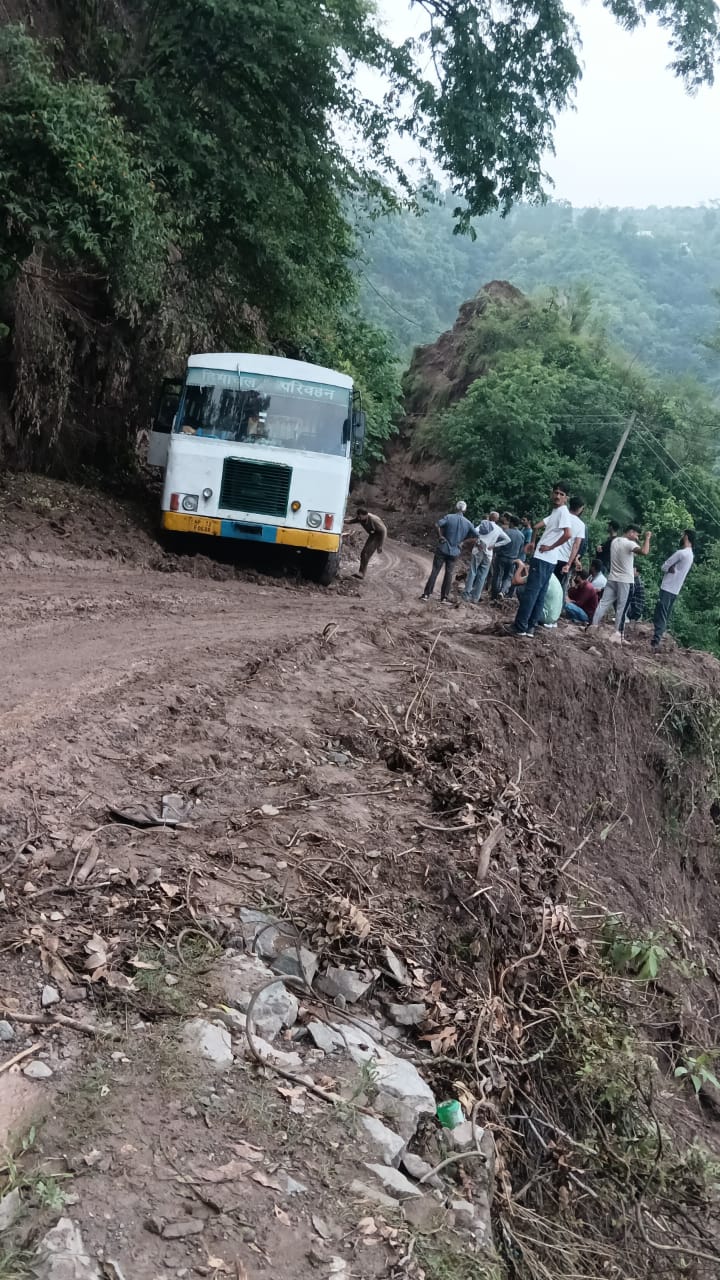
[(308, 538)]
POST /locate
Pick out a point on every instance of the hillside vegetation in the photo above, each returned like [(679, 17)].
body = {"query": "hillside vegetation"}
[(179, 175), (519, 393), (650, 273)]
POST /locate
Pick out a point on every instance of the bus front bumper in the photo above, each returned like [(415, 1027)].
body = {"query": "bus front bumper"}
[(178, 522)]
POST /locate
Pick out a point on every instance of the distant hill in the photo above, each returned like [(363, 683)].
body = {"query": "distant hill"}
[(651, 274)]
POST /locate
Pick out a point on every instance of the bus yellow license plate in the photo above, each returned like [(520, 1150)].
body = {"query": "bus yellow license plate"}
[(202, 524)]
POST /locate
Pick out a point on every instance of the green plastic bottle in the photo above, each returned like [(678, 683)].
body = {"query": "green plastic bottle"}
[(450, 1114)]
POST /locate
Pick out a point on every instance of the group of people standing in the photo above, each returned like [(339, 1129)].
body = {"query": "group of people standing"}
[(543, 564)]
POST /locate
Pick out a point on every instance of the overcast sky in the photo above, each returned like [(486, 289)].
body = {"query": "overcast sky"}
[(635, 137)]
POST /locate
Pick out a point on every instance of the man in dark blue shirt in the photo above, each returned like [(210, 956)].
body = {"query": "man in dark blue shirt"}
[(453, 530)]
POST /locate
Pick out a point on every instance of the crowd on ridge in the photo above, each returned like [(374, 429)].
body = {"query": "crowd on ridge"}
[(542, 564)]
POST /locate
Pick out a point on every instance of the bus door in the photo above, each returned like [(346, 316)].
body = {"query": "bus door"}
[(167, 407)]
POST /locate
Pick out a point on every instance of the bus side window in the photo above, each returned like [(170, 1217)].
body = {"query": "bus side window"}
[(167, 405)]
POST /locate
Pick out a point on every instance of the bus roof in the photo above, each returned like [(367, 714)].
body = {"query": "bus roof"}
[(276, 366)]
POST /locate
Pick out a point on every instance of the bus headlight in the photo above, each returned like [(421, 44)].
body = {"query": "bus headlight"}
[(207, 494), (190, 502), (314, 519), (295, 506)]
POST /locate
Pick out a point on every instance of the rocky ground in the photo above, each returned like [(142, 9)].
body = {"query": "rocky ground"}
[(274, 864)]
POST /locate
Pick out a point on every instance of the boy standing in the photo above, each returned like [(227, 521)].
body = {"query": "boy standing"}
[(556, 533), (675, 571), (621, 577)]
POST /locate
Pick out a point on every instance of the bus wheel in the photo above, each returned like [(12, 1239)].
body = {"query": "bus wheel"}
[(321, 566)]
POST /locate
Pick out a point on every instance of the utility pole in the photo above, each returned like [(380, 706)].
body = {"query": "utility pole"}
[(611, 469)]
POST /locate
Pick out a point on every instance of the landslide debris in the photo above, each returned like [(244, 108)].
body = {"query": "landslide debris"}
[(508, 862)]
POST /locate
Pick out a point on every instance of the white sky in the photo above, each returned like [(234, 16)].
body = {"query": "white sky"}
[(635, 137)]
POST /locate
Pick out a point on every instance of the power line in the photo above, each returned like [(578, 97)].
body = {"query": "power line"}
[(382, 298), (689, 493), (703, 502)]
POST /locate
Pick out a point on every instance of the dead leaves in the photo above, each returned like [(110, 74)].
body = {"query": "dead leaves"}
[(346, 920), (442, 1040)]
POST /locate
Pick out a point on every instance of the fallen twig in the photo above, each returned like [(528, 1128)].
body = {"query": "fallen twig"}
[(24, 1053), (574, 853), (50, 1020)]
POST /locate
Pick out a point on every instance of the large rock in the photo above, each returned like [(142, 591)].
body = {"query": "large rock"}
[(419, 1169), (62, 1255), (10, 1209), (402, 1094), (264, 935), (407, 1015), (388, 1145), (210, 1041), (278, 942), (395, 1181), (268, 1053), (37, 1070), (324, 1037), (373, 1194), (276, 1007), (297, 962), (348, 983)]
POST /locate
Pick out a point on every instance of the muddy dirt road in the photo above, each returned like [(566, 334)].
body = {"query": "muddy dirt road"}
[(248, 696), (341, 757)]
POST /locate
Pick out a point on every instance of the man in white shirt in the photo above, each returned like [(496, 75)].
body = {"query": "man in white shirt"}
[(557, 532), (570, 550), (490, 537), (675, 571), (621, 578)]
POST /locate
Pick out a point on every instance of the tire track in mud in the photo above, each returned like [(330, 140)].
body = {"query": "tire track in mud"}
[(83, 655)]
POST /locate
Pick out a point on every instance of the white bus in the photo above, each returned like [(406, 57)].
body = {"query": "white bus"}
[(259, 448)]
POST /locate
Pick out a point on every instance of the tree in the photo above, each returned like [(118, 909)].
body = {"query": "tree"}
[(178, 163)]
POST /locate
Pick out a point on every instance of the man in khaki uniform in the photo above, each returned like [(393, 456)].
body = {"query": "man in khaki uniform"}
[(377, 533)]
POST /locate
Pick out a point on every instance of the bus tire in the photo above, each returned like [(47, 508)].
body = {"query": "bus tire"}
[(321, 566)]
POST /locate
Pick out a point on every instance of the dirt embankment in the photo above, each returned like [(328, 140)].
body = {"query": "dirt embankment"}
[(414, 487), (530, 830)]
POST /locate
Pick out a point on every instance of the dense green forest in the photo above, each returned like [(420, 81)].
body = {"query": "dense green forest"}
[(178, 174), (651, 273)]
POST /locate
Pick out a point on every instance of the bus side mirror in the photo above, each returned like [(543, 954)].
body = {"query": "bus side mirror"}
[(359, 424)]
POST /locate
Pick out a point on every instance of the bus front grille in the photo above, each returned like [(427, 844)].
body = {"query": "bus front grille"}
[(262, 488)]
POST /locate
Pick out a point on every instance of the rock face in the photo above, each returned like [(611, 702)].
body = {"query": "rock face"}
[(210, 1041), (62, 1255)]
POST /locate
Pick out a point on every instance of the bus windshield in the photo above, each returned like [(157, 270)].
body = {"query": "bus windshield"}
[(260, 409)]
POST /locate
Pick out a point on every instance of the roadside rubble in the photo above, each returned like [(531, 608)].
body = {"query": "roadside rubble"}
[(62, 1256), (395, 1100)]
